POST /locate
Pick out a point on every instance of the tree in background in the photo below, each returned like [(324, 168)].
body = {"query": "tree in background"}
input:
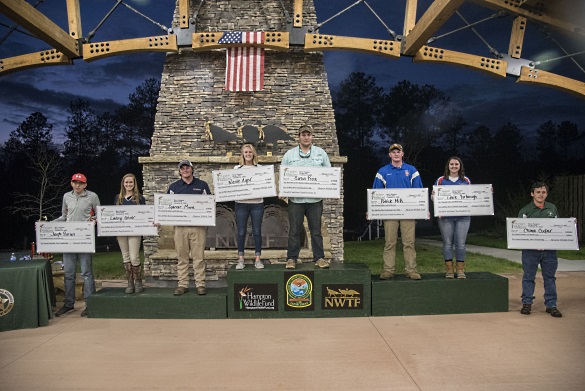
[(83, 139), (568, 134), (411, 115), (137, 123), (547, 147), (481, 148), (357, 107), (43, 202), (33, 171), (30, 136)]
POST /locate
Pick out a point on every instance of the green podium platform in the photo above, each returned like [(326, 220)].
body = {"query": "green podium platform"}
[(479, 292), (343, 290), (157, 303)]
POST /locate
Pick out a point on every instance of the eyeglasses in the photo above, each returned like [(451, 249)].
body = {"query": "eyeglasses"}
[(303, 155)]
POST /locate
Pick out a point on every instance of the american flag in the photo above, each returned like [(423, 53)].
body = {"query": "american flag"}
[(244, 69)]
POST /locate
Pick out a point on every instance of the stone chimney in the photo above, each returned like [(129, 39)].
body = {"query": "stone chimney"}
[(193, 102)]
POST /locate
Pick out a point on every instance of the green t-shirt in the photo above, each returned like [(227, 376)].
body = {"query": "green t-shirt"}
[(532, 211)]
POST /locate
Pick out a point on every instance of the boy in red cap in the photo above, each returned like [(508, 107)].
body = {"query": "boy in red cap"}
[(78, 205)]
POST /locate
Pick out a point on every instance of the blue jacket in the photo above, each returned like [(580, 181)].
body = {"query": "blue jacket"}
[(403, 177), (445, 181)]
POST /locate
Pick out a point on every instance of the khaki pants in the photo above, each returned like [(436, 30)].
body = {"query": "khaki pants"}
[(130, 248), (190, 242), (407, 236)]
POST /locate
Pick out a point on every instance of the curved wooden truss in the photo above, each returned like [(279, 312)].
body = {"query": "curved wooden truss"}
[(414, 42)]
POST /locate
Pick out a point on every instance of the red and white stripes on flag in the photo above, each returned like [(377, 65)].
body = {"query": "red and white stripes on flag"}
[(245, 65)]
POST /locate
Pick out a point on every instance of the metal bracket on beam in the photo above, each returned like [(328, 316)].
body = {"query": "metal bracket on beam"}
[(515, 64), (185, 36), (297, 34)]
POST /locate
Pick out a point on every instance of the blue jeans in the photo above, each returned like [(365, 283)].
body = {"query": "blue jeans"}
[(454, 231), (256, 212), (296, 217), (70, 265), (548, 261)]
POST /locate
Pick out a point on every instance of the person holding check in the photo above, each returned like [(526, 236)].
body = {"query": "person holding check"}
[(305, 154), (130, 245), (79, 204), (189, 240), (453, 228), (546, 259), (251, 208), (398, 175)]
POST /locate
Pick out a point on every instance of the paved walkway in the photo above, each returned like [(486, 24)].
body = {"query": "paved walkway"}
[(565, 265), (503, 351)]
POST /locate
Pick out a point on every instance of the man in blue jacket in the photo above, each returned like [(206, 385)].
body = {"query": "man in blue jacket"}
[(398, 175)]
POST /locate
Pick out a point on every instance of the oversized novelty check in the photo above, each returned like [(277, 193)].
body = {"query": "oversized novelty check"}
[(310, 182), (463, 200), (542, 233), (244, 183), (396, 204), (126, 220), (65, 236), (184, 209)]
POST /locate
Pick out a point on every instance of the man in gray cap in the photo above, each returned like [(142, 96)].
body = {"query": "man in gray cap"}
[(189, 240)]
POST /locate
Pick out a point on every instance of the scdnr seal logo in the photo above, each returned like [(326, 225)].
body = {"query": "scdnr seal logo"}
[(6, 302), (299, 291)]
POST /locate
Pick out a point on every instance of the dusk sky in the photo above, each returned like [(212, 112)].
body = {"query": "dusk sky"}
[(482, 99)]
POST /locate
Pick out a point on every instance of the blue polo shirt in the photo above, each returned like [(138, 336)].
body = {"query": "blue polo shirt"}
[(403, 177)]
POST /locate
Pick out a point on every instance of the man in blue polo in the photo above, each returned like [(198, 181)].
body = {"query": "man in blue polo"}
[(398, 175), (189, 241), (547, 259), (305, 154)]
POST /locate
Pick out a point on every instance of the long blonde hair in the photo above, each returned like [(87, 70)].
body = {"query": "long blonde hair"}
[(135, 191), (254, 159)]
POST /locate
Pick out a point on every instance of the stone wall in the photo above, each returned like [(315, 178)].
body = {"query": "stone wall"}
[(193, 99)]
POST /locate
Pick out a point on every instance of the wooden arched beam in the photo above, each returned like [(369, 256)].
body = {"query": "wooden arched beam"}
[(38, 24), (33, 60), (98, 50), (531, 75), (275, 40), (319, 42), (513, 6), (484, 64)]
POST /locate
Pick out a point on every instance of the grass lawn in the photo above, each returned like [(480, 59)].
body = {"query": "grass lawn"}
[(429, 259), (108, 265), (500, 242)]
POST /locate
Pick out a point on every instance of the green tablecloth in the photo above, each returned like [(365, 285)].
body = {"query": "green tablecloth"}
[(26, 294)]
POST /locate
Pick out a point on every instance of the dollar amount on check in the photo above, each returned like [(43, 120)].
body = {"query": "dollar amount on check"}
[(184, 209), (310, 182), (396, 204)]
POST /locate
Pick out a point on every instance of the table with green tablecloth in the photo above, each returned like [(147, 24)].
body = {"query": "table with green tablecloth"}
[(26, 294)]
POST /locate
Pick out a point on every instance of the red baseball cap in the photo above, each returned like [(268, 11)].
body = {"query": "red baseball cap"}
[(79, 177)]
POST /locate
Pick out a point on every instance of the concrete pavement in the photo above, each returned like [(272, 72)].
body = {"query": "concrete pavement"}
[(503, 351), (565, 265)]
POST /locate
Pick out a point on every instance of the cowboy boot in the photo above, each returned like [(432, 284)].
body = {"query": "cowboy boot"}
[(449, 269), (137, 272), (461, 270), (129, 277)]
